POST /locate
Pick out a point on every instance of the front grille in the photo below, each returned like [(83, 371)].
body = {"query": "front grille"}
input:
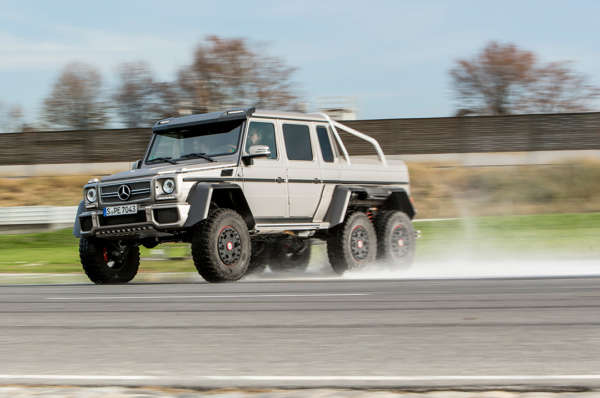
[(139, 191), (139, 217)]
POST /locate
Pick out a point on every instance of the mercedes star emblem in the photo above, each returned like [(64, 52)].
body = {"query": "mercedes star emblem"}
[(124, 192)]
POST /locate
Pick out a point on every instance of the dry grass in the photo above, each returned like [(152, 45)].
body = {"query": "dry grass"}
[(42, 191), (441, 191), (438, 190)]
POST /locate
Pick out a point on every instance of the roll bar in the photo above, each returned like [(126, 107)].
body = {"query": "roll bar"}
[(335, 125)]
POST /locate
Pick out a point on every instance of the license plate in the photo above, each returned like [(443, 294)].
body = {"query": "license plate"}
[(120, 210)]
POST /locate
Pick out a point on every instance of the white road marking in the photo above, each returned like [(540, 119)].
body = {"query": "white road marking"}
[(209, 296), (74, 377), (408, 378), (265, 378)]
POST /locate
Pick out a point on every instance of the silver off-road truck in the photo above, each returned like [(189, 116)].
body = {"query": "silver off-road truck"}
[(248, 188)]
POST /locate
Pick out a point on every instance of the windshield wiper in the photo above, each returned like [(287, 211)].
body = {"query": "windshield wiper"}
[(201, 155), (162, 159)]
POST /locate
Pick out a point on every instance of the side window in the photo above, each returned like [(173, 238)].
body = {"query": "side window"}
[(336, 148), (325, 144), (297, 142), (262, 133)]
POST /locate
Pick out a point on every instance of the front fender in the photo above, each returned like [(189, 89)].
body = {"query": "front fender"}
[(76, 226), (202, 195)]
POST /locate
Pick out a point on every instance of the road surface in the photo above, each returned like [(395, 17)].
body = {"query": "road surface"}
[(327, 333)]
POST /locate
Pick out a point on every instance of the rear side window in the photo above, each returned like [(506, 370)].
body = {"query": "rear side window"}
[(325, 144), (297, 142)]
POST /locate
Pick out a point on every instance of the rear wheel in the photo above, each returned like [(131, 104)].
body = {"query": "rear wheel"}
[(353, 244), (290, 255), (395, 238), (108, 261), (221, 246)]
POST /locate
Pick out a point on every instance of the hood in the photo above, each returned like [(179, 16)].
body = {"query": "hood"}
[(149, 172)]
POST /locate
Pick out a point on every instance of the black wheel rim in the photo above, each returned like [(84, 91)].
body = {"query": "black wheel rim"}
[(359, 243), (400, 241), (229, 245)]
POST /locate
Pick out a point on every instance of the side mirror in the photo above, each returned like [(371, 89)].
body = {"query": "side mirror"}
[(256, 151), (136, 165), (259, 151)]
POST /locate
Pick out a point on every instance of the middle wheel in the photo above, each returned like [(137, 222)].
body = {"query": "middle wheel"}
[(353, 244), (221, 246)]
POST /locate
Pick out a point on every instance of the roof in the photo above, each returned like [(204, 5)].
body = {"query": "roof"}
[(289, 115), (231, 114)]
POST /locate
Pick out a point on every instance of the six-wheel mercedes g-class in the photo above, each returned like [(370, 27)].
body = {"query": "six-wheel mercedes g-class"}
[(248, 188)]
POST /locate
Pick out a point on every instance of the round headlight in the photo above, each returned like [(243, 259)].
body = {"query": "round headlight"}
[(91, 195), (168, 186)]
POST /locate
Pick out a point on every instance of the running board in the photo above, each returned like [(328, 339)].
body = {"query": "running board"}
[(262, 228)]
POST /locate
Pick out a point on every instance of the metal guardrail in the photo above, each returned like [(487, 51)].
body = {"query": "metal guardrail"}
[(37, 215)]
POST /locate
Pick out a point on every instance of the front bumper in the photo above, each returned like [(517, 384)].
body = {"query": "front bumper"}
[(154, 220)]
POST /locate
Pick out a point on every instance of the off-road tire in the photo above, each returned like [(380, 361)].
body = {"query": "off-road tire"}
[(259, 258), (395, 239), (285, 259), (94, 254), (221, 238), (342, 245)]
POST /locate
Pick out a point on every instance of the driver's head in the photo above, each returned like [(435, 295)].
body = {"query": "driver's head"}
[(255, 136)]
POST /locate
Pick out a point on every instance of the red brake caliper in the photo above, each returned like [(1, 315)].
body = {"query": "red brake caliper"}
[(105, 254)]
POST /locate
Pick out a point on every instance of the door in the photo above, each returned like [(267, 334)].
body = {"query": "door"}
[(264, 181), (303, 171), (329, 159)]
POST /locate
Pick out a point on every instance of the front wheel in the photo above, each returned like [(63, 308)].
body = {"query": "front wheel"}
[(107, 261), (221, 246), (353, 244)]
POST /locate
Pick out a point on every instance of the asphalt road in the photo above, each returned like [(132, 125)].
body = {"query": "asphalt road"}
[(392, 333)]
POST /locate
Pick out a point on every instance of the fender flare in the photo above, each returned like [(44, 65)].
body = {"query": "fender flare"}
[(76, 226), (201, 195), (339, 204), (398, 199)]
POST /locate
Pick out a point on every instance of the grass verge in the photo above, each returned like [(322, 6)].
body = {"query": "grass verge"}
[(548, 236)]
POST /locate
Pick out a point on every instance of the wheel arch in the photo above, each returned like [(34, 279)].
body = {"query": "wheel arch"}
[(400, 200), (204, 195), (391, 199)]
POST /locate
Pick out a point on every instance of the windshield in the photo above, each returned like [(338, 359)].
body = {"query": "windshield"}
[(196, 142)]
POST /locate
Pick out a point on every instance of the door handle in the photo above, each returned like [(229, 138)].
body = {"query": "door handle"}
[(279, 180)]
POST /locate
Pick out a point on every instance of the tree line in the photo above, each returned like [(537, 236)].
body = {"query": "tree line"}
[(500, 79), (224, 73)]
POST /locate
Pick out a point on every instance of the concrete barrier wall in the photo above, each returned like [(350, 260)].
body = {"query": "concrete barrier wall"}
[(518, 133)]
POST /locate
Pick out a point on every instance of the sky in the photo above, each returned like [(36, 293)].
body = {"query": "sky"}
[(391, 58)]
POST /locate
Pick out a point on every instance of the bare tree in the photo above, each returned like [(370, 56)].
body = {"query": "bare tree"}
[(11, 118), (75, 101), (504, 79), (228, 73), (139, 99)]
